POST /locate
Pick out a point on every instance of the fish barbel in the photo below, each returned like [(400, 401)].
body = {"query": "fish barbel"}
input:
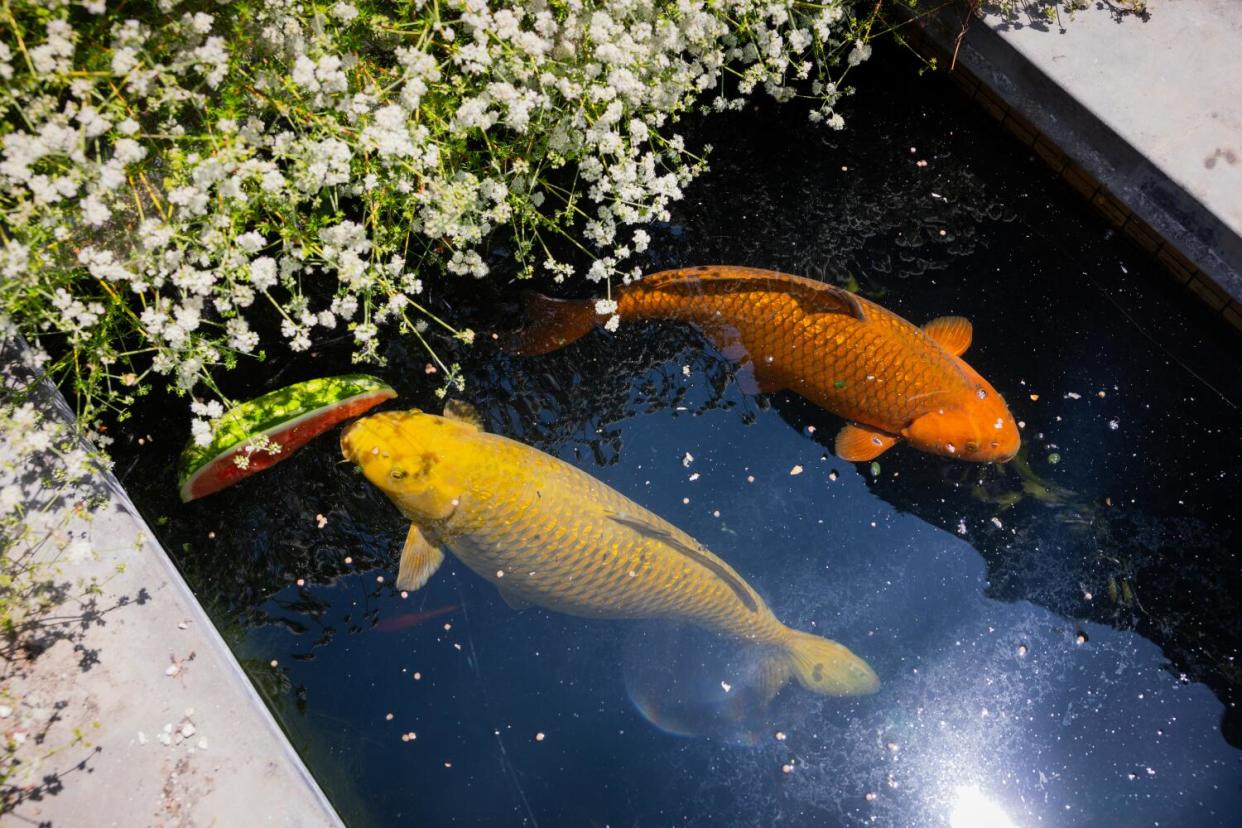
[(894, 381), (547, 533)]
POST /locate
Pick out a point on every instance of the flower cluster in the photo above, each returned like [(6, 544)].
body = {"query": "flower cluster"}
[(172, 172)]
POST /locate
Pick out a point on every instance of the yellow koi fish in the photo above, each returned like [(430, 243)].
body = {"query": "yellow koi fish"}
[(549, 534)]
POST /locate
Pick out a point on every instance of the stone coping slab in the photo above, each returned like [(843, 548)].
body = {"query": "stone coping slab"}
[(177, 734)]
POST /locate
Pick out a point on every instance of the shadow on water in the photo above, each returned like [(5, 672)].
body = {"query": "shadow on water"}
[(1056, 638)]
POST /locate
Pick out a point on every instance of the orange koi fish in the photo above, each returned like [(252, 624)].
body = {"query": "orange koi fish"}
[(892, 380)]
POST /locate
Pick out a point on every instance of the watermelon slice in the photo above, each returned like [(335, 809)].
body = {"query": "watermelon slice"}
[(288, 417)]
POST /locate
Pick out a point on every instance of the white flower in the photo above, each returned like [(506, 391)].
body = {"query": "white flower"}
[(200, 430), (344, 12), (605, 307), (263, 273)]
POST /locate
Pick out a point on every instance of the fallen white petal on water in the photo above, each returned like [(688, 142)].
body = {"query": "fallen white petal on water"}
[(997, 523), (202, 744), (796, 470), (1073, 395), (172, 670), (726, 686), (687, 460), (961, 526), (540, 736), (694, 477), (321, 521), (1114, 424), (188, 730)]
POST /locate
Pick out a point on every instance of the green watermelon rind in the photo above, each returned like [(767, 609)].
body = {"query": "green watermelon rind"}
[(272, 412)]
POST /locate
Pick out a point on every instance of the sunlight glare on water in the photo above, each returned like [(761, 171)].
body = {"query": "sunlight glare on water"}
[(971, 809)]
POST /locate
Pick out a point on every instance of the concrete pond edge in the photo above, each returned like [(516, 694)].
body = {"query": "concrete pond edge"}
[(175, 731)]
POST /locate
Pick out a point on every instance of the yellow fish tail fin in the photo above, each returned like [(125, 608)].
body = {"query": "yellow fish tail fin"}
[(550, 324), (826, 667)]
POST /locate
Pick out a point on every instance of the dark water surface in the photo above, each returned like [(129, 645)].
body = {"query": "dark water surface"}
[(1057, 639)]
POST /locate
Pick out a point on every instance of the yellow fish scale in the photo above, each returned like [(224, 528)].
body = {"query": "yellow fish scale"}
[(837, 349), (550, 534)]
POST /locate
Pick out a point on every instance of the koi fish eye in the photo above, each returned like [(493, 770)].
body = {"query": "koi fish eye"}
[(981, 394)]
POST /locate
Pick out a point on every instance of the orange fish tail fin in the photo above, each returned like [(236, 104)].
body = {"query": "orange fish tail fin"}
[(858, 443), (550, 324), (826, 667)]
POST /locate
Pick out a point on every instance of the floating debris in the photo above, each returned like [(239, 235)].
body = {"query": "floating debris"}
[(1054, 458), (1022, 650), (780, 736), (796, 470), (321, 521), (1081, 638), (540, 736)]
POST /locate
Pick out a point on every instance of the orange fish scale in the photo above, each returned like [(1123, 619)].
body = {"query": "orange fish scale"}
[(807, 336)]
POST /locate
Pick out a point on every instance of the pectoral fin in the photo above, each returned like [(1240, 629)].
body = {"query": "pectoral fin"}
[(463, 412), (953, 333), (858, 443), (419, 560), (514, 600)]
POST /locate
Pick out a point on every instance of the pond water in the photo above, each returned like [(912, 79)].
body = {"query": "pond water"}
[(1056, 639)]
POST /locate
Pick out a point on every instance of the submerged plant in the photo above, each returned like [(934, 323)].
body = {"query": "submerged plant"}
[(188, 183)]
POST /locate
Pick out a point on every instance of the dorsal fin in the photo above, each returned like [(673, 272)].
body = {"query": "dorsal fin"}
[(953, 333), (692, 551), (710, 280), (463, 412)]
